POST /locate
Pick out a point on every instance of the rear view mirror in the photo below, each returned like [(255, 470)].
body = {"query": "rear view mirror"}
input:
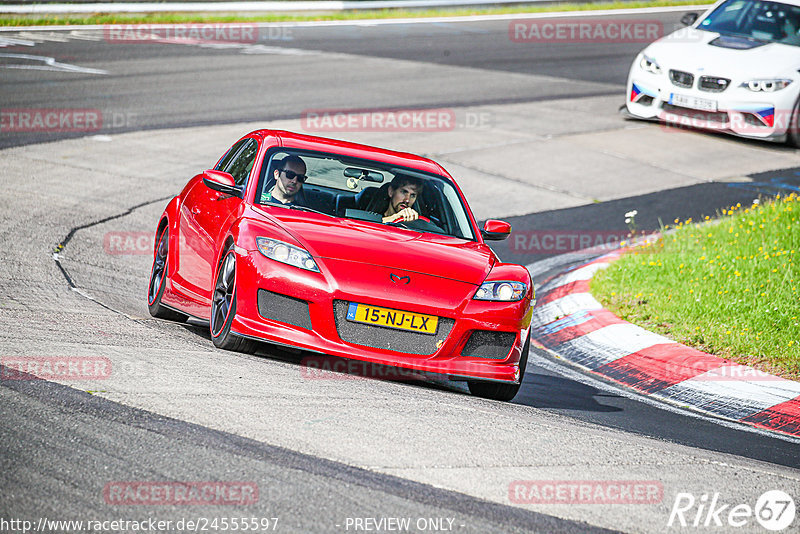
[(494, 230), (364, 174), (689, 18)]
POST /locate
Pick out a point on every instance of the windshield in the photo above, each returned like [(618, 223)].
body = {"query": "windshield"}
[(362, 189), (754, 19)]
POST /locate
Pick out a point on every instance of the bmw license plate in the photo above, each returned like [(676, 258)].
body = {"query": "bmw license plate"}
[(686, 101), (402, 320)]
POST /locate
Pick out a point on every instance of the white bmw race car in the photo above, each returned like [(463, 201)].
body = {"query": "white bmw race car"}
[(734, 69)]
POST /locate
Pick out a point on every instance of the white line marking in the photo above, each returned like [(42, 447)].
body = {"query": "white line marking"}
[(566, 305), (609, 344), (50, 63), (8, 41), (733, 378), (42, 36)]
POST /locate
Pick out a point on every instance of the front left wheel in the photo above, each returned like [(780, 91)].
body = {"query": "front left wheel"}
[(223, 307)]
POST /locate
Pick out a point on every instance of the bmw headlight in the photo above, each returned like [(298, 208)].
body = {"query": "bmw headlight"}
[(286, 253), (767, 86), (649, 65), (501, 291)]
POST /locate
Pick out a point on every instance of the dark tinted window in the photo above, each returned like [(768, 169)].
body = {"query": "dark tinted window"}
[(226, 159), (242, 163)]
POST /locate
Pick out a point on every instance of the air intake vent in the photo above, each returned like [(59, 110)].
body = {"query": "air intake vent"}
[(681, 79), (489, 344), (284, 309)]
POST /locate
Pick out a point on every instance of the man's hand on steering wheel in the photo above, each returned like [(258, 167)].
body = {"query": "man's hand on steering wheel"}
[(404, 215)]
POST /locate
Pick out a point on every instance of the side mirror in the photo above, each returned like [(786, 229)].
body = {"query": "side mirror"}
[(222, 182), (689, 18), (494, 230)]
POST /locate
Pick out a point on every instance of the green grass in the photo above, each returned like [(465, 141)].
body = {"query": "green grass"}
[(175, 18), (728, 286)]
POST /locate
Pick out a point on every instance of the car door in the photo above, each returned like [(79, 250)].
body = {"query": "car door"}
[(205, 217)]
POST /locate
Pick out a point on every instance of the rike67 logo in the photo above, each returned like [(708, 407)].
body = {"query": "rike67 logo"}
[(774, 510)]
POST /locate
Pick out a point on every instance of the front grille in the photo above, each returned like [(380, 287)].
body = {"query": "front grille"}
[(712, 84), (285, 309), (489, 344), (388, 338), (681, 79), (698, 118)]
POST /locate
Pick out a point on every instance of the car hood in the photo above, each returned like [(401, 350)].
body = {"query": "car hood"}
[(392, 247), (703, 52)]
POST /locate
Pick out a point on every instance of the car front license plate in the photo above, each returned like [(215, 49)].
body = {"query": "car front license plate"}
[(402, 320), (686, 101)]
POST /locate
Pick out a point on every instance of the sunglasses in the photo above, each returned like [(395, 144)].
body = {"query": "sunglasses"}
[(292, 175)]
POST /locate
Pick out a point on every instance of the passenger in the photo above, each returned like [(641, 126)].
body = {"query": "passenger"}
[(400, 197), (289, 175)]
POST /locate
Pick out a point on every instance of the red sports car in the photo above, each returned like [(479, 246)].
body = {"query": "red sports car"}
[(346, 250)]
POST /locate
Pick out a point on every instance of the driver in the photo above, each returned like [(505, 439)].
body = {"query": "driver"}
[(289, 174), (401, 195)]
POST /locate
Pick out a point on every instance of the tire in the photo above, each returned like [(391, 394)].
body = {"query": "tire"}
[(158, 280), (223, 307), (793, 135), (503, 392)]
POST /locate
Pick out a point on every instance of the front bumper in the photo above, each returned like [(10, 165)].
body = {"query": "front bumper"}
[(735, 110), (305, 310)]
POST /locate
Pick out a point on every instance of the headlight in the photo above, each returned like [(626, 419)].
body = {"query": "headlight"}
[(286, 253), (768, 86), (649, 65), (501, 291)]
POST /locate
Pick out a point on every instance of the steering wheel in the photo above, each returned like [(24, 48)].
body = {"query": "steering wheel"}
[(427, 225), (400, 220)]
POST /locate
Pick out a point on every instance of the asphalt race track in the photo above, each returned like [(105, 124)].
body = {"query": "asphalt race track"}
[(537, 141)]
